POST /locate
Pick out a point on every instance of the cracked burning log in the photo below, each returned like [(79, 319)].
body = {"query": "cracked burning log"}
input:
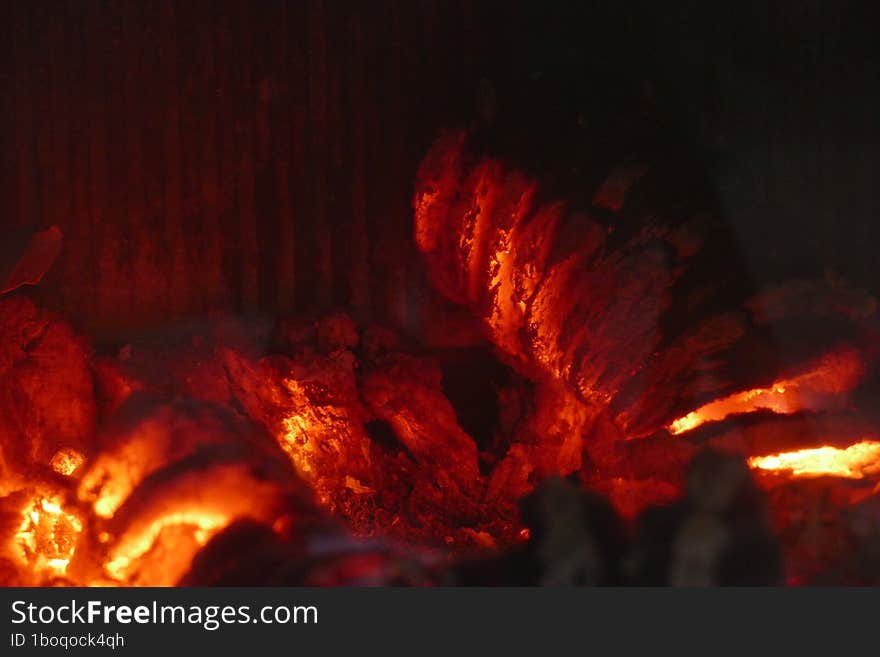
[(642, 313), (624, 307)]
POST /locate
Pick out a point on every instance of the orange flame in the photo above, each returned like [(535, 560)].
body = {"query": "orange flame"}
[(836, 373), (66, 461), (200, 525), (775, 398), (47, 536), (854, 462)]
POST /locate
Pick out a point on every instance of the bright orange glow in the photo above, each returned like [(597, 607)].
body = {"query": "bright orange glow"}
[(115, 473), (298, 440), (836, 373), (776, 399), (200, 525), (319, 441), (162, 534), (66, 461), (47, 536), (854, 462)]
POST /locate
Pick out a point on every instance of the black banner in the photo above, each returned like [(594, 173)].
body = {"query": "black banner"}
[(268, 621)]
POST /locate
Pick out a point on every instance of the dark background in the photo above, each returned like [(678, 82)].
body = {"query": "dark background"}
[(260, 156), (512, 620)]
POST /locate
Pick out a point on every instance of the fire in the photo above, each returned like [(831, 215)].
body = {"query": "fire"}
[(323, 443), (47, 536), (66, 461), (297, 442), (776, 398), (158, 531), (197, 525), (854, 462), (115, 472), (138, 511), (835, 373)]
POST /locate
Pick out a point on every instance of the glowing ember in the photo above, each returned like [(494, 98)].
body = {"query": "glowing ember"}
[(297, 442), (66, 461), (773, 399), (202, 526), (855, 462), (836, 373), (113, 474), (47, 536), (324, 443), (166, 525)]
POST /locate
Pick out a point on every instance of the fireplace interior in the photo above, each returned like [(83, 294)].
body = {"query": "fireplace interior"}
[(438, 293)]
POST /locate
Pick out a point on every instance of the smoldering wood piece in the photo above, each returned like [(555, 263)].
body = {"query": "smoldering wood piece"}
[(646, 311)]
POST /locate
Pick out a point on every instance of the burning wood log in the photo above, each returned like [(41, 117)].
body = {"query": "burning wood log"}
[(627, 295), (624, 308), (635, 311)]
